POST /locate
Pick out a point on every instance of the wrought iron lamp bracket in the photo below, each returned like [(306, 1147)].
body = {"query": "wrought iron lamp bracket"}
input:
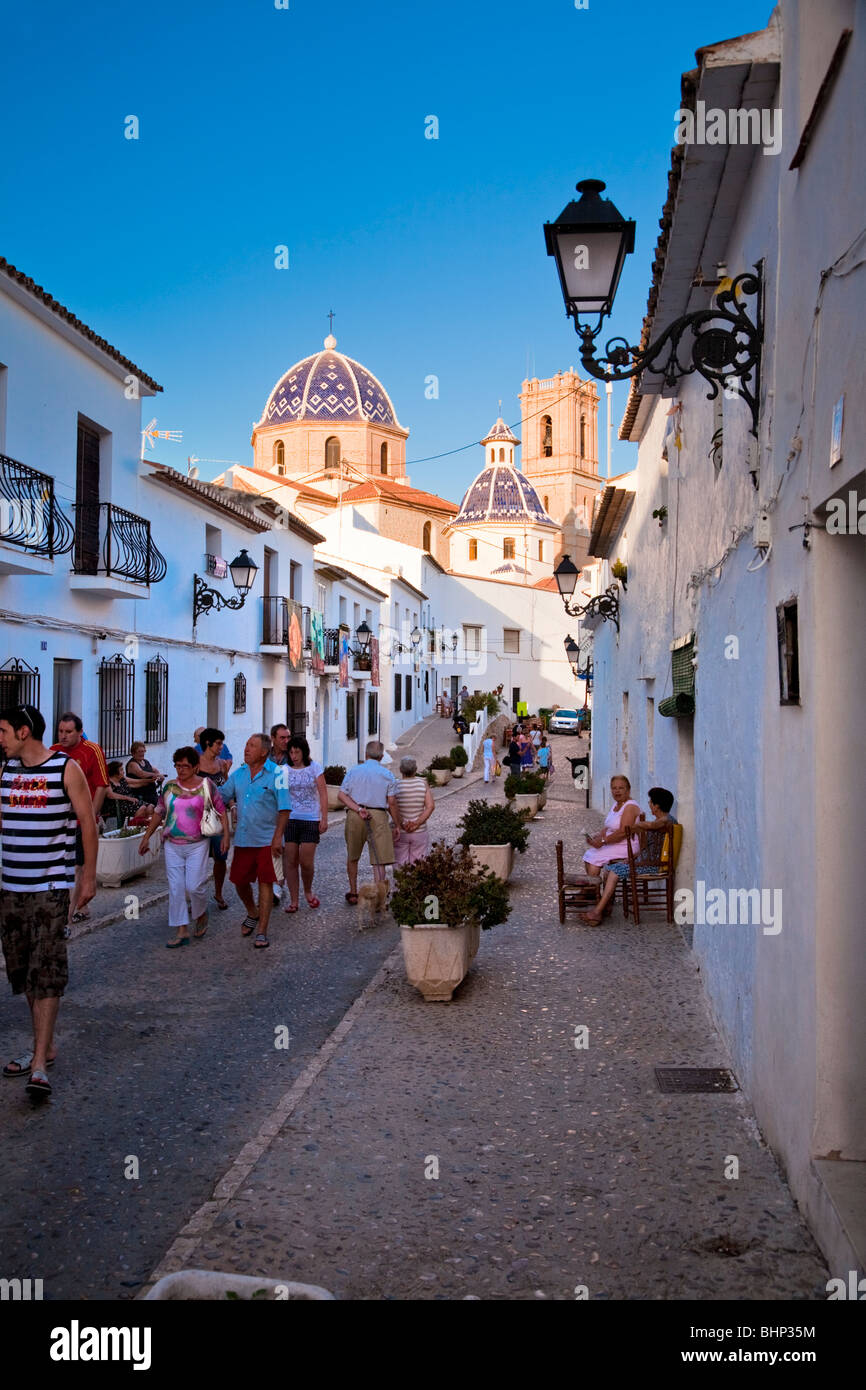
[(604, 606), (720, 343), (205, 600)]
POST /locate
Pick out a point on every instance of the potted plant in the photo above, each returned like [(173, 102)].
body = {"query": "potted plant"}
[(525, 790), (118, 859), (492, 832), (661, 514), (441, 767), (442, 904), (619, 570), (333, 776), (459, 759)]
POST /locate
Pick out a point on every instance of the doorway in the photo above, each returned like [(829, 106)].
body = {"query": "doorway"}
[(67, 690), (215, 706)]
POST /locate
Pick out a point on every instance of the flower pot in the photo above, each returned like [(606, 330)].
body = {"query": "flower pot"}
[(458, 772), (441, 775), (118, 859), (542, 799), (212, 1284), (334, 802), (437, 958), (527, 800), (498, 858)]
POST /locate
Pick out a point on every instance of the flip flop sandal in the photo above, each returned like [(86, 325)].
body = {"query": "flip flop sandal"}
[(290, 907), (261, 942), (249, 925), (173, 945), (200, 928), (81, 916), (352, 898), (23, 1064), (223, 906), (38, 1085), (313, 901)]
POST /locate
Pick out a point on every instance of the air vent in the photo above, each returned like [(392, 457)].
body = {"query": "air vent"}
[(695, 1080)]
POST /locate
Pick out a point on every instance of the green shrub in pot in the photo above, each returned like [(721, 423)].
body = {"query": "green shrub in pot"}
[(334, 775), (491, 823), (448, 883), (459, 756)]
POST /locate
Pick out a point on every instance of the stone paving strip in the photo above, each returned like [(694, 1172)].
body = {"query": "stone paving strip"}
[(472, 1150)]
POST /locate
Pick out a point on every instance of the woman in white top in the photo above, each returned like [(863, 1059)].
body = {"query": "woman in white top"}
[(416, 804), (487, 747), (610, 843), (308, 819)]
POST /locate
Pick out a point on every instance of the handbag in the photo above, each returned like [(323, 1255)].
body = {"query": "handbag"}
[(211, 822), (497, 771)]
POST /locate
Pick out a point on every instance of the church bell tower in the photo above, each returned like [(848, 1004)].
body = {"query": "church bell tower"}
[(559, 429)]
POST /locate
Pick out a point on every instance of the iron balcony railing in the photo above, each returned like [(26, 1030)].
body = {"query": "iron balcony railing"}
[(216, 565), (275, 621), (112, 541), (332, 646), (29, 514)]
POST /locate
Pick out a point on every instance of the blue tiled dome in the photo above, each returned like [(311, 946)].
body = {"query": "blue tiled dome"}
[(329, 386), (499, 494)]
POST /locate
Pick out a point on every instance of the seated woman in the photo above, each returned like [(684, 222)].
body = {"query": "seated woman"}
[(610, 842), (120, 800), (660, 803)]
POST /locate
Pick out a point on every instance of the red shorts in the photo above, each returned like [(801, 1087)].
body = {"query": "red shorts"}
[(252, 863)]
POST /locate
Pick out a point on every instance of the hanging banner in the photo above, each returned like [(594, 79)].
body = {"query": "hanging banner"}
[(344, 658), (317, 641), (296, 635), (374, 661)]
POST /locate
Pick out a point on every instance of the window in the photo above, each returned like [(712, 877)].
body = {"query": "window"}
[(351, 715), (398, 692), (19, 683), (472, 640), (343, 610), (508, 548), (501, 455), (296, 709), (546, 437), (240, 694), (86, 554), (492, 455), (541, 550), (372, 714), (332, 454), (408, 692), (473, 550), (279, 457), (789, 653), (583, 436), (116, 706), (156, 701), (295, 581), (383, 459), (425, 542), (511, 639), (546, 503), (213, 547)]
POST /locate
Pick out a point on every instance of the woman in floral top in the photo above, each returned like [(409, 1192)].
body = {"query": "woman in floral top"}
[(182, 804)]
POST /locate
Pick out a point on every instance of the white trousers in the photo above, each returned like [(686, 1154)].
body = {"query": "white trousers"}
[(187, 870), (488, 768)]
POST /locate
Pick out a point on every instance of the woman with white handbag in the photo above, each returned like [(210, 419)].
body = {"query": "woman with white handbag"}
[(193, 811)]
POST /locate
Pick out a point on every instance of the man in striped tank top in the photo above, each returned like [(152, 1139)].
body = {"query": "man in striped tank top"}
[(42, 794)]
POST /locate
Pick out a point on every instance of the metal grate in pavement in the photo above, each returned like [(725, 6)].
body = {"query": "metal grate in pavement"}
[(694, 1080)]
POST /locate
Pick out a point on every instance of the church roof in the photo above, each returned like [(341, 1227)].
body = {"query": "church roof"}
[(398, 492), (499, 494), (328, 386), (500, 434)]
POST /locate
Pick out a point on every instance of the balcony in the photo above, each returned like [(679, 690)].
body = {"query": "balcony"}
[(33, 529), (275, 625), (332, 647), (113, 555)]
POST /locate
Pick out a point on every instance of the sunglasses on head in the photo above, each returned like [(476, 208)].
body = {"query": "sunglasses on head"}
[(22, 709)]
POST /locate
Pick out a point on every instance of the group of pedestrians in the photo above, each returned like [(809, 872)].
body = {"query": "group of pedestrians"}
[(529, 751)]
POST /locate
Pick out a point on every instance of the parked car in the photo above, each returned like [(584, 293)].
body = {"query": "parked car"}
[(565, 721)]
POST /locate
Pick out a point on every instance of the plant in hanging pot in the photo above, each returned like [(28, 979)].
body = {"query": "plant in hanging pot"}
[(492, 833), (459, 759), (442, 767), (333, 776), (619, 570), (442, 903)]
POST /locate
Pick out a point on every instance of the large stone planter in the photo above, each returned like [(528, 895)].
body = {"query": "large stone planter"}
[(499, 858), (542, 799), (334, 802), (212, 1284), (441, 776), (118, 858), (458, 772), (527, 801), (437, 958)]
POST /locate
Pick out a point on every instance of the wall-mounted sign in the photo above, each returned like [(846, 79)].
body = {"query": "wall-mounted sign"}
[(836, 432)]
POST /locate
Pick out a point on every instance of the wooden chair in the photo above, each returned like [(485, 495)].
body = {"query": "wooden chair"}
[(575, 892), (650, 881)]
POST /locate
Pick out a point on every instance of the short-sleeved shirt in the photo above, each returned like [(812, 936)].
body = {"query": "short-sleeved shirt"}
[(370, 784), (90, 759), (303, 790), (184, 811), (544, 756), (259, 800), (488, 747), (225, 755)]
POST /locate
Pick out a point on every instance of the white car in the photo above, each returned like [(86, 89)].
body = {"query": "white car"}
[(564, 721)]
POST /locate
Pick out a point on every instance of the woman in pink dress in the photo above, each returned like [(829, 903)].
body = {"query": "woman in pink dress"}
[(610, 843)]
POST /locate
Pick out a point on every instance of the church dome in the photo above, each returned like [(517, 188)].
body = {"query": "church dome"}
[(500, 494), (329, 387), (500, 434)]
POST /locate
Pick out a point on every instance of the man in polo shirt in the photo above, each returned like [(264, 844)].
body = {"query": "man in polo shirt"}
[(259, 789), (91, 760), (369, 792)]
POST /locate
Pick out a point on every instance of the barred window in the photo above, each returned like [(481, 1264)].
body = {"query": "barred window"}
[(789, 653), (398, 692), (240, 701), (116, 706), (19, 683), (408, 692), (372, 714), (351, 715), (156, 701)]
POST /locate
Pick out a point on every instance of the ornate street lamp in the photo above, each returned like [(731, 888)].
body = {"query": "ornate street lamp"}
[(590, 241), (415, 637), (363, 636), (243, 570), (604, 606), (572, 653)]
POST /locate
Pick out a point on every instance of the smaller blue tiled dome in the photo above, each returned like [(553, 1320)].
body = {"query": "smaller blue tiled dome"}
[(500, 494)]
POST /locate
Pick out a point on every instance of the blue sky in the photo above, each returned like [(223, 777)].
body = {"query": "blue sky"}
[(305, 127)]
